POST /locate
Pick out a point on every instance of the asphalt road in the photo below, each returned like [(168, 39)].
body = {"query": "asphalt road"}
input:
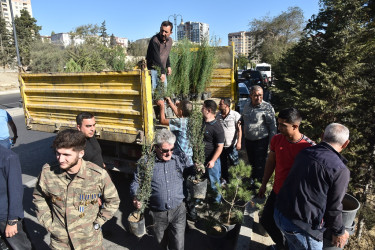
[(34, 150), (10, 101)]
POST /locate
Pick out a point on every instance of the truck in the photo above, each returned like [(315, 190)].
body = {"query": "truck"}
[(121, 102), (265, 69)]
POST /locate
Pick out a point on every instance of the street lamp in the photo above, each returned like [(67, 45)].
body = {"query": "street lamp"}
[(175, 22)]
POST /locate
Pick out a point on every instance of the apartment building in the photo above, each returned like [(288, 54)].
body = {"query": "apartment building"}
[(243, 42), (17, 6), (194, 31)]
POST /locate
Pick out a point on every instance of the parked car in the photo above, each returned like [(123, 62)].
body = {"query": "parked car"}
[(243, 97), (253, 77)]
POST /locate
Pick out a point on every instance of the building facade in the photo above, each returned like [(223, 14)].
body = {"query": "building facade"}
[(194, 31), (17, 6), (243, 42)]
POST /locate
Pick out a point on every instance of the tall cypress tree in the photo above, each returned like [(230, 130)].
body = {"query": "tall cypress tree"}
[(7, 50)]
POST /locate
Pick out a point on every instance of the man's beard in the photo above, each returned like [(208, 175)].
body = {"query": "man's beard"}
[(72, 164)]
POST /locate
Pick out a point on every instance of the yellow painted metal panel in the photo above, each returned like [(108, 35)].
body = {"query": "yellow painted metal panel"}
[(52, 101)]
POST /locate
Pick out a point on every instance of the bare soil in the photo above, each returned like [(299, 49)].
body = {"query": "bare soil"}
[(8, 81)]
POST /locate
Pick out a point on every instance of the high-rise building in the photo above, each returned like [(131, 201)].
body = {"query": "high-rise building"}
[(243, 42), (194, 31), (17, 6)]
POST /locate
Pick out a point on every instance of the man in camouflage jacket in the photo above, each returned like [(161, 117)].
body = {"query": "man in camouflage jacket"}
[(66, 196)]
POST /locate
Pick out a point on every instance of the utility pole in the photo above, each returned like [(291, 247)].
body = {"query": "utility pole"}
[(15, 36), (175, 23)]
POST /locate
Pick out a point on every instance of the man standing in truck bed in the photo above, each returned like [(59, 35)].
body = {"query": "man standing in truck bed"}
[(158, 54)]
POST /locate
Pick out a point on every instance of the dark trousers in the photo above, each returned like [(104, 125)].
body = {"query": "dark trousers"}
[(20, 241), (229, 154), (257, 154), (169, 227), (268, 222)]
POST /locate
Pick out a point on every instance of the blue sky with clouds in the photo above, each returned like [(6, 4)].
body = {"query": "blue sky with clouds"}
[(140, 19)]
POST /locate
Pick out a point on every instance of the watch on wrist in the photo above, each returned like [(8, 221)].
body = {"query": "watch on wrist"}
[(96, 226), (12, 222)]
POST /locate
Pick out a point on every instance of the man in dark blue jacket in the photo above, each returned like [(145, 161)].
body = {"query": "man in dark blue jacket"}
[(11, 193), (310, 199)]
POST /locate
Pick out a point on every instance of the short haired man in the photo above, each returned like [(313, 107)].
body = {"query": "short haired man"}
[(86, 124), (283, 149), (11, 193), (310, 200), (178, 125), (214, 143), (5, 120), (258, 118), (166, 202), (158, 54), (232, 136), (66, 196)]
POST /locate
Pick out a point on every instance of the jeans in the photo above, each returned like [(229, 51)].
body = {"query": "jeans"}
[(20, 241), (155, 80), (229, 154), (268, 222), (169, 227), (296, 237), (257, 154), (214, 177), (5, 143)]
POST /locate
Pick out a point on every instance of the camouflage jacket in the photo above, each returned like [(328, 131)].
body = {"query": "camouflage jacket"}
[(68, 208)]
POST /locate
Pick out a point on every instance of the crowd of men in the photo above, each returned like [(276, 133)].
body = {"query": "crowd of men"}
[(75, 197)]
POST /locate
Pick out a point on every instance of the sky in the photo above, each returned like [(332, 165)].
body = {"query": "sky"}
[(141, 19)]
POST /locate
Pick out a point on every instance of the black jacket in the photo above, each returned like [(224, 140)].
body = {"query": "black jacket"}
[(311, 195)]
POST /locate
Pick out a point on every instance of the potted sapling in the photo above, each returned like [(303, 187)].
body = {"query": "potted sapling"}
[(196, 184), (145, 168)]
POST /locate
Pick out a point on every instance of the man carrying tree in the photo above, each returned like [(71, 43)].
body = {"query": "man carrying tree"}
[(166, 201), (283, 149), (158, 54)]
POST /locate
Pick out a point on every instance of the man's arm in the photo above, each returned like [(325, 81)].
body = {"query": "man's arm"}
[(133, 190), (163, 120), (268, 171), (216, 155), (13, 127), (173, 107), (43, 211), (271, 123), (111, 201), (239, 132), (15, 191)]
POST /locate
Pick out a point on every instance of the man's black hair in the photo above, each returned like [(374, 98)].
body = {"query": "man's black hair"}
[(83, 115), (226, 101), (70, 138), (186, 107), (210, 105), (291, 115), (167, 23)]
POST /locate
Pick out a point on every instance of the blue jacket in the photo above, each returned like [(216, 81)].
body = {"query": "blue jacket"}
[(311, 195), (11, 189)]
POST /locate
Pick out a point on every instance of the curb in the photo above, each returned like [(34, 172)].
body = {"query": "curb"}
[(7, 92), (15, 111), (246, 230)]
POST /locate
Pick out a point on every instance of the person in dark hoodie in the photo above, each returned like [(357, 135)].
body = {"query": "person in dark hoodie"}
[(158, 54), (310, 200)]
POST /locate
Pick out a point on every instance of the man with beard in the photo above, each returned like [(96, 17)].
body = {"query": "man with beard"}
[(66, 196), (158, 54)]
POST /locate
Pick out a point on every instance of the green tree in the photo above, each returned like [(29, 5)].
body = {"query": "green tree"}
[(138, 48), (274, 36), (242, 61), (112, 41), (27, 34), (103, 33), (46, 57), (329, 77), (7, 49)]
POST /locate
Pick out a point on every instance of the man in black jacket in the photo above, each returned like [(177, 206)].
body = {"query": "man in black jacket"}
[(158, 54), (310, 200)]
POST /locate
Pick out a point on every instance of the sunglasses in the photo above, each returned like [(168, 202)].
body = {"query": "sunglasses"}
[(164, 151)]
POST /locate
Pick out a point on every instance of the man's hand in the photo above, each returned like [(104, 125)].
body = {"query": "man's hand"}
[(10, 231), (340, 241), (136, 203), (14, 140), (162, 78), (238, 146), (160, 103), (168, 99), (210, 164), (100, 202), (169, 71), (262, 191)]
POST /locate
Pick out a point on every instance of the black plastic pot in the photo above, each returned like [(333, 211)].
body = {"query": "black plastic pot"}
[(137, 228), (197, 190)]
